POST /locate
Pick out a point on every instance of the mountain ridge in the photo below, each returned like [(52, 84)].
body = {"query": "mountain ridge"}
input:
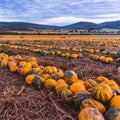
[(8, 26)]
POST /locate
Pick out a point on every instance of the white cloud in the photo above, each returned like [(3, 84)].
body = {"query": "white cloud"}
[(63, 20), (59, 12)]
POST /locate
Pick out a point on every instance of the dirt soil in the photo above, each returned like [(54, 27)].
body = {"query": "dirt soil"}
[(21, 102)]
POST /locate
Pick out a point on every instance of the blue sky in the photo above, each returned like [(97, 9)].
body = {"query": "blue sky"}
[(59, 12)]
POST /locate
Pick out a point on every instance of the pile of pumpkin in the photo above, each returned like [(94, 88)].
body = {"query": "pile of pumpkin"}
[(97, 99), (101, 58), (50, 52)]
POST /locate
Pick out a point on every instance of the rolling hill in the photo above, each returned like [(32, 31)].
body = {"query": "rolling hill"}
[(24, 26)]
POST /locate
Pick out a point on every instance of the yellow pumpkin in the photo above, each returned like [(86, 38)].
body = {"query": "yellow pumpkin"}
[(93, 104), (25, 64), (34, 64), (77, 87), (74, 56), (112, 84), (100, 79), (23, 71), (115, 102), (110, 59), (29, 79), (101, 58), (91, 51), (60, 80), (90, 83), (102, 92), (49, 70), (45, 76), (70, 76), (50, 83), (60, 86), (13, 68)]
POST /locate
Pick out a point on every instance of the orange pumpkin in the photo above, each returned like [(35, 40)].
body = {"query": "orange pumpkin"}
[(23, 71), (101, 79), (13, 68), (77, 87), (90, 114), (60, 86), (50, 83), (102, 92), (93, 104), (90, 83), (29, 79), (115, 102), (112, 84)]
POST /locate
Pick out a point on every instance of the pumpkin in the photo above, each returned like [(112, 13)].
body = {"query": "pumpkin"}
[(40, 72), (70, 76), (74, 56), (18, 57), (110, 59), (91, 51), (113, 114), (102, 92), (93, 104), (61, 74), (95, 57), (104, 52), (37, 69), (58, 52), (30, 72), (80, 55), (63, 54), (37, 82), (55, 76), (61, 80), (14, 68), (101, 58), (54, 69), (115, 102), (96, 51), (45, 76), (101, 79), (11, 58), (48, 70), (112, 84), (67, 55), (4, 62), (118, 117), (12, 63), (25, 64), (80, 81), (105, 60), (34, 64), (90, 83), (90, 114), (29, 79), (41, 67), (50, 83), (23, 71), (79, 97), (65, 93), (77, 87), (60, 86)]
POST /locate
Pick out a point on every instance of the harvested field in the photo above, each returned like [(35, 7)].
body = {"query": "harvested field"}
[(19, 101)]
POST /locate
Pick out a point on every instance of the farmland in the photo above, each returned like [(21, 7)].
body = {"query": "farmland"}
[(33, 66)]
